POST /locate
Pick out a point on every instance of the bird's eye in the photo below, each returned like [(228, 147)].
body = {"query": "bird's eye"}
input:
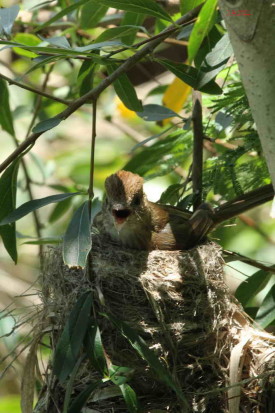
[(136, 200)]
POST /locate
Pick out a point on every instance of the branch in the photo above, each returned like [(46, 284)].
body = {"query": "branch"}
[(94, 93), (197, 149), (32, 89), (235, 256), (243, 203)]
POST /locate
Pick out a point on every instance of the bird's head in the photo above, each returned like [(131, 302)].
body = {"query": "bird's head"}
[(125, 199)]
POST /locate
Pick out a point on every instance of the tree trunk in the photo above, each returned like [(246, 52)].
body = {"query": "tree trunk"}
[(251, 28)]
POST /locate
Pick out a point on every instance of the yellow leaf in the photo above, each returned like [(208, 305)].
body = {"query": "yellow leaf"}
[(175, 96)]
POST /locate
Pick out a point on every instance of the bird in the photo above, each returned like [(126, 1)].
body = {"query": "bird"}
[(129, 219)]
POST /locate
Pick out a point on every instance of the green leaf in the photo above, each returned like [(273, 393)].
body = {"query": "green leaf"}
[(91, 14), (80, 400), (85, 77), (187, 5), (27, 39), (147, 354), (94, 349), (59, 41), (117, 32), (125, 90), (119, 374), (30, 206), (132, 19), (252, 286), (266, 312), (99, 45), (203, 25), (60, 209), (62, 13), (220, 52), (40, 62), (148, 7), (5, 113), (46, 125), (130, 398), (77, 239), (191, 76), (7, 204), (155, 113), (71, 339), (7, 18), (44, 241), (157, 135)]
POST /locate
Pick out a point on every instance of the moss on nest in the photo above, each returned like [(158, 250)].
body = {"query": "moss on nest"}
[(178, 303)]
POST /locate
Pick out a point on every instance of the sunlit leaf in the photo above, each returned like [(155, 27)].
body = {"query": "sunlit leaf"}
[(94, 349), (28, 39), (203, 25), (266, 312), (125, 90), (252, 286), (120, 374), (8, 182), (130, 398), (148, 7), (77, 239), (33, 205), (71, 339)]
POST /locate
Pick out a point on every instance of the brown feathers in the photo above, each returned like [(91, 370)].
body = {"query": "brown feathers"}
[(123, 185)]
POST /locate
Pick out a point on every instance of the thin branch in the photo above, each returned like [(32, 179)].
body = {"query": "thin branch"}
[(197, 149), (94, 93), (235, 256), (92, 162), (32, 89)]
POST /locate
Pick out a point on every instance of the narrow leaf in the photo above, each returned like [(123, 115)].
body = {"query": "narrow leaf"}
[(148, 7), (7, 17), (266, 312), (60, 209), (33, 205), (5, 113), (91, 14), (117, 32), (46, 125), (80, 400), (85, 77), (147, 354), (125, 90), (77, 239), (120, 374), (134, 19), (71, 339), (155, 113), (187, 5), (59, 41), (62, 13), (94, 349), (8, 182), (130, 398), (203, 25), (252, 286)]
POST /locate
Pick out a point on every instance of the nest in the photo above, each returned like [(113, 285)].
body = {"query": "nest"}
[(178, 303)]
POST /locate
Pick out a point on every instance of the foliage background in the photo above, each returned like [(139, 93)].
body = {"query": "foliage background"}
[(60, 161)]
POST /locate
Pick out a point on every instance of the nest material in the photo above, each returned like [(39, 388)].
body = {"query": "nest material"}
[(178, 303)]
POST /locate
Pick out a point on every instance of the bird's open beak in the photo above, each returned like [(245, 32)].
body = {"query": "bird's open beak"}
[(120, 214)]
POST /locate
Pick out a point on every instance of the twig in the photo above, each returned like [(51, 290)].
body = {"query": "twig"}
[(239, 257), (92, 162), (94, 93), (32, 89), (197, 149)]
